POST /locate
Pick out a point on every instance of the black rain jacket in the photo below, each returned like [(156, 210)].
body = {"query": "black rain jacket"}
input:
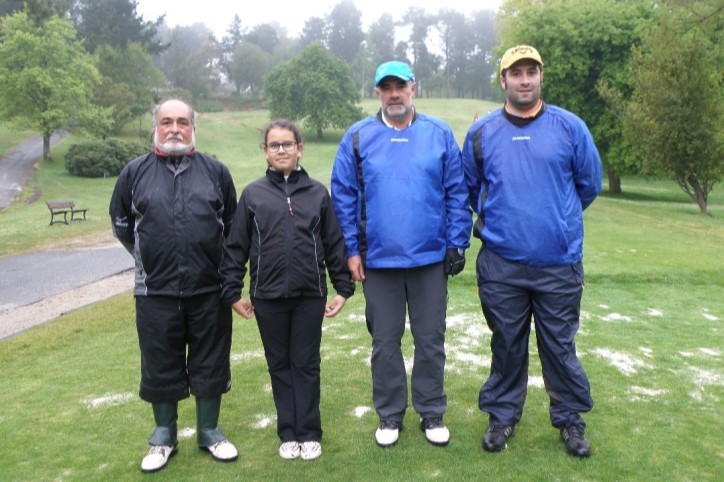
[(288, 232), (173, 219)]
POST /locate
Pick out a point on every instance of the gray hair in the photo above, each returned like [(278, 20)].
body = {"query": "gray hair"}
[(192, 112)]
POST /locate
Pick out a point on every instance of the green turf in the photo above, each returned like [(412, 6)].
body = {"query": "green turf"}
[(651, 341)]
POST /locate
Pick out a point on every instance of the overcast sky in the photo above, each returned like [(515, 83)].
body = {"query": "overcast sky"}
[(291, 14)]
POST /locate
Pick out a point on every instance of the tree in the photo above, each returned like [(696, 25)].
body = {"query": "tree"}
[(344, 31), (424, 63), (8, 7), (314, 31), (249, 65), (456, 43), (129, 77), (382, 35), (191, 60), (676, 112), (482, 68), (265, 36), (229, 43), (584, 44), (315, 88), (47, 78), (41, 10), (116, 23)]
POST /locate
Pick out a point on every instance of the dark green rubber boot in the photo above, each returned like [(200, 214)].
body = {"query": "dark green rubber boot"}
[(166, 417), (207, 421)]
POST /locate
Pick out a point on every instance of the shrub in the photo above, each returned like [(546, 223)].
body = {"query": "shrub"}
[(96, 158)]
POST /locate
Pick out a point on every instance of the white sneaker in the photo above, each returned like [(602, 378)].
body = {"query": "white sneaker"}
[(223, 451), (388, 433), (311, 450), (289, 450), (435, 431), (157, 458)]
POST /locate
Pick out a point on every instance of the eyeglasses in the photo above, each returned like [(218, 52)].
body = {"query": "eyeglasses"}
[(288, 146)]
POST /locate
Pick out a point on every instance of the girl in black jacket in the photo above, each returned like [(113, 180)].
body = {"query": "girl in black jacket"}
[(287, 230)]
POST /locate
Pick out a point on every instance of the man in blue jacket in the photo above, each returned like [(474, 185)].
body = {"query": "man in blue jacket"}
[(531, 170), (399, 193)]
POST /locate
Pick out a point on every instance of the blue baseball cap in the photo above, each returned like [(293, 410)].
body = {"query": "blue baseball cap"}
[(394, 69)]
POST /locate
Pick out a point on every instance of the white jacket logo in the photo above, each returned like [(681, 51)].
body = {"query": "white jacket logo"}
[(521, 138), (399, 139)]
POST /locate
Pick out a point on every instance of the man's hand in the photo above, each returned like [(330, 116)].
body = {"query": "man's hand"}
[(454, 261), (244, 308), (355, 267)]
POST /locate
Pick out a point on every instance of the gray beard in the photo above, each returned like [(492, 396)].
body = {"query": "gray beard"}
[(175, 148)]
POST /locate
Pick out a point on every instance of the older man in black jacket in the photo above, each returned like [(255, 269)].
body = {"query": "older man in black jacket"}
[(172, 209)]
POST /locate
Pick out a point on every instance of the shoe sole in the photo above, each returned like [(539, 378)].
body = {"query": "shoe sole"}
[(494, 450), (437, 444), (151, 471)]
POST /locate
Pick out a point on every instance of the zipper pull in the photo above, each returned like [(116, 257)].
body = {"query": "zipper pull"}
[(289, 203)]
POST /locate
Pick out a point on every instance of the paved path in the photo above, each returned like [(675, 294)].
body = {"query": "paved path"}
[(16, 166), (38, 287), (29, 278)]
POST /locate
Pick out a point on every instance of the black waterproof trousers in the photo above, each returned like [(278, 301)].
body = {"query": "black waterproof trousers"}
[(291, 331), (185, 346)]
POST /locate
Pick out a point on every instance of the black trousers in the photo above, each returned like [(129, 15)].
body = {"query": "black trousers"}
[(185, 346), (511, 294), (291, 331)]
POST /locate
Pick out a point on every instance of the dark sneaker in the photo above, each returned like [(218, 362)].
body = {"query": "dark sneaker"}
[(435, 430), (495, 438), (388, 433), (576, 443)]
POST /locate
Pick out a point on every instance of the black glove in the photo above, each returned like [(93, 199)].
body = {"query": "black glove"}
[(454, 261)]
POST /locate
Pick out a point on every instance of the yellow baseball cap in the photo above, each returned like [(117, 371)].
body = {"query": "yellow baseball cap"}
[(519, 52)]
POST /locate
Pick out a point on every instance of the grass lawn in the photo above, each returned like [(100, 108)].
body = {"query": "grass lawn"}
[(651, 341), (12, 137)]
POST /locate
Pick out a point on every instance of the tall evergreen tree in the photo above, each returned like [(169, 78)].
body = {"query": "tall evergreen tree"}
[(116, 23)]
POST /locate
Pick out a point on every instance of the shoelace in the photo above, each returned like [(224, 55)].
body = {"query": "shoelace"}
[(505, 430), (310, 446), (289, 446), (159, 449), (574, 431), (431, 423), (389, 425)]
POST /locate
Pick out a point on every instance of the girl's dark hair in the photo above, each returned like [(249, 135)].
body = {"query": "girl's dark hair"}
[(282, 124)]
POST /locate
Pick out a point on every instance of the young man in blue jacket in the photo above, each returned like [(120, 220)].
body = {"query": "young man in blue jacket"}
[(531, 170), (399, 193)]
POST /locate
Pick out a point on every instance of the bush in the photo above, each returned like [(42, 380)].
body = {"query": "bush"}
[(96, 158)]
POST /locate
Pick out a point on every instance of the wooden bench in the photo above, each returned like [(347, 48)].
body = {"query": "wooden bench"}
[(63, 207)]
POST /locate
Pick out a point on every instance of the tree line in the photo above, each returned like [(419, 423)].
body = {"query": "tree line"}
[(646, 76)]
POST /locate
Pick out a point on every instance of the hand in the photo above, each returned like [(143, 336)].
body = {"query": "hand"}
[(244, 308), (334, 306), (454, 261), (355, 267)]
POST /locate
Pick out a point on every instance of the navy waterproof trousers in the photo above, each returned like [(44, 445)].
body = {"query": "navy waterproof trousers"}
[(511, 294)]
